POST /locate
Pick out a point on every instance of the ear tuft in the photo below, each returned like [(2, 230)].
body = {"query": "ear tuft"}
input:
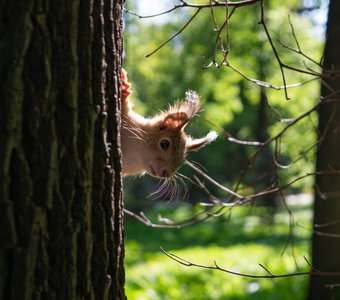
[(211, 136), (190, 105), (196, 144), (192, 96)]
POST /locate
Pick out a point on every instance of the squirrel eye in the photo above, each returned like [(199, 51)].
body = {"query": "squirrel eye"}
[(165, 144)]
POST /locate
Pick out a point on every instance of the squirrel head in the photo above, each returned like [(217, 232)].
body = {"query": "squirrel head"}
[(166, 140)]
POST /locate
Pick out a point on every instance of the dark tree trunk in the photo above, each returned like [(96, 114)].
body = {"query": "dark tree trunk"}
[(326, 248), (264, 161), (61, 219)]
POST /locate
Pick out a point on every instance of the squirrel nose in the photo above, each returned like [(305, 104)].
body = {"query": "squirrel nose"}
[(165, 173)]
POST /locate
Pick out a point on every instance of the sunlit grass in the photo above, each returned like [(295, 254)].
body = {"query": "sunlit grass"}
[(240, 244)]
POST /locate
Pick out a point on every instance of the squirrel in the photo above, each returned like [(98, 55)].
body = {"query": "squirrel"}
[(158, 145)]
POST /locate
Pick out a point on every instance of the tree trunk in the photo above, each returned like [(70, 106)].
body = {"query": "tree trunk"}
[(264, 161), (61, 217), (326, 248)]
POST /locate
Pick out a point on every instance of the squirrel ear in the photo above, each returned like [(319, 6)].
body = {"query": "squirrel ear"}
[(196, 144), (179, 114), (175, 120)]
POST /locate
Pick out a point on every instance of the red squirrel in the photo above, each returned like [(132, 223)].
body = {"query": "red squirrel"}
[(158, 145)]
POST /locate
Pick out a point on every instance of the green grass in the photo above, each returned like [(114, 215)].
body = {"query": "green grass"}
[(239, 243)]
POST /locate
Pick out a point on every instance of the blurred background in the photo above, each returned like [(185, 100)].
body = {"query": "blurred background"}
[(271, 230)]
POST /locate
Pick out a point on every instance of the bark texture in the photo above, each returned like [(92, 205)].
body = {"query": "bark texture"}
[(61, 220), (326, 246)]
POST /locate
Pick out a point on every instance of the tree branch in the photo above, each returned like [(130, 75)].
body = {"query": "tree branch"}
[(187, 263)]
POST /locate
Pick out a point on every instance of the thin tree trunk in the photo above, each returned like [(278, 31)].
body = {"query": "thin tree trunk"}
[(326, 249), (264, 162), (61, 234)]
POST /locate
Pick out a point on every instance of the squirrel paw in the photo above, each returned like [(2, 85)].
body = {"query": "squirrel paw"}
[(126, 92)]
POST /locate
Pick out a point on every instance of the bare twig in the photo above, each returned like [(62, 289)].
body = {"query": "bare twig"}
[(270, 85), (262, 21), (327, 224), (176, 34), (299, 51), (188, 263), (185, 4), (223, 188), (198, 218), (321, 233)]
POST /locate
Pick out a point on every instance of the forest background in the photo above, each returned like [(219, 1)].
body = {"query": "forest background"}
[(236, 108), (232, 105)]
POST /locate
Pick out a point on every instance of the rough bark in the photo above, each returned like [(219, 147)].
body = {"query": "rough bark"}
[(326, 248), (61, 234)]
